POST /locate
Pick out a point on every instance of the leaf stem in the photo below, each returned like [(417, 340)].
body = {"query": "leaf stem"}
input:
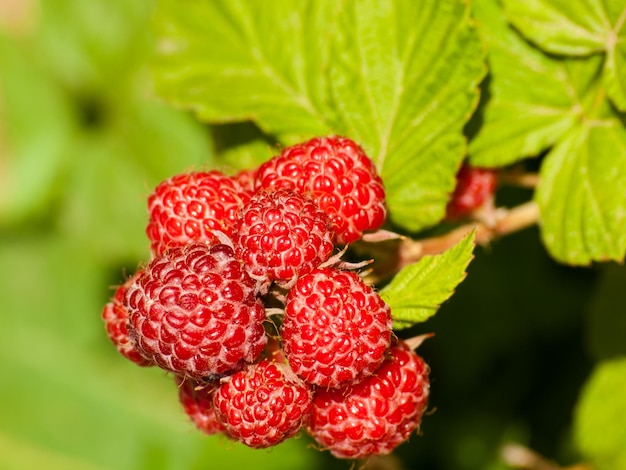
[(518, 178), (506, 221)]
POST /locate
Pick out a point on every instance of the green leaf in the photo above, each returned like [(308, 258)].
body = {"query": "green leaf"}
[(522, 119), (416, 292), (614, 75), (599, 430), (578, 28), (562, 26), (581, 194), (400, 78), (404, 77), (237, 60)]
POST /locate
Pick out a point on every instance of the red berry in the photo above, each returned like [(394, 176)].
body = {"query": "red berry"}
[(336, 329), (197, 401), (246, 179), (473, 188), (263, 404), (377, 414), (115, 318), (281, 235), (337, 174), (194, 312), (190, 206)]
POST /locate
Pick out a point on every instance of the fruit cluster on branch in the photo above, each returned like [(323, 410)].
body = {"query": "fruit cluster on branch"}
[(247, 303)]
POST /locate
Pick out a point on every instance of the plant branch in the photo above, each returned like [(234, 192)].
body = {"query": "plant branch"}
[(517, 177), (520, 457), (506, 221), (489, 225)]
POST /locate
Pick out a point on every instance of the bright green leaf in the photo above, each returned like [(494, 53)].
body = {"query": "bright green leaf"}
[(581, 194), (237, 60), (417, 291), (599, 428), (400, 78), (534, 99), (579, 27), (614, 75), (568, 27), (404, 77)]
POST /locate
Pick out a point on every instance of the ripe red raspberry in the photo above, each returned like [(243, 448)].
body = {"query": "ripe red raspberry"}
[(263, 404), (473, 188), (336, 329), (115, 318), (337, 174), (190, 206), (281, 235), (194, 312), (377, 414), (246, 179), (197, 401)]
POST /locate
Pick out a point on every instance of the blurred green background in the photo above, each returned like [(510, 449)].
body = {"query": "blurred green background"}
[(82, 143)]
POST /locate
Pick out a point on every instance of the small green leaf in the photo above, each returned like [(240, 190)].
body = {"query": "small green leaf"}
[(581, 194), (578, 28), (522, 119), (599, 428), (418, 290)]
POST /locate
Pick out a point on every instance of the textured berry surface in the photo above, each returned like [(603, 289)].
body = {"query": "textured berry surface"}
[(337, 174), (473, 188), (115, 318), (263, 404), (336, 329), (194, 312), (377, 414), (189, 206), (281, 235), (246, 179), (197, 401)]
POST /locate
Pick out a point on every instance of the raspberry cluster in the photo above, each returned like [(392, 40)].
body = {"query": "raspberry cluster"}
[(247, 303)]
